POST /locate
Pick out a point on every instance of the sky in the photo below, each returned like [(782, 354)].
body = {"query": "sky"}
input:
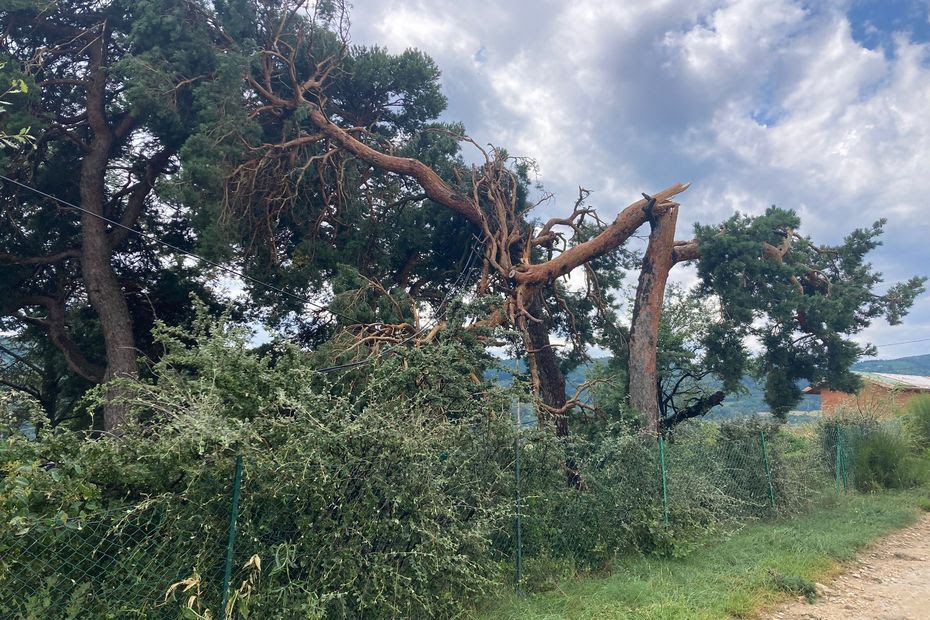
[(822, 107)]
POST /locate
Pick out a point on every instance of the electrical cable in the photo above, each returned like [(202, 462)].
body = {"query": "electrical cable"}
[(468, 268), (892, 344)]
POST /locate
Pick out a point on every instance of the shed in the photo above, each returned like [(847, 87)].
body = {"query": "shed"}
[(882, 393)]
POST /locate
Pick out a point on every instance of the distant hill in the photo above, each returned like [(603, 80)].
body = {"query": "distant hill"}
[(913, 365), (751, 401), (735, 405)]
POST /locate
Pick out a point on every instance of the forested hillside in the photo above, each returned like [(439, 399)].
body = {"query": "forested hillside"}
[(752, 398), (911, 365)]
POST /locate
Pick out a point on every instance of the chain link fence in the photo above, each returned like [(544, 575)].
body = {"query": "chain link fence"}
[(117, 564), (574, 506)]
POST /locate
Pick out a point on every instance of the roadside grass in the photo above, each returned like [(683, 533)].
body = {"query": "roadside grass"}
[(728, 577)]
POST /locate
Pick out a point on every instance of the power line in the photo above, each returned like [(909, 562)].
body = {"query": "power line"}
[(460, 280), (156, 239), (892, 344)]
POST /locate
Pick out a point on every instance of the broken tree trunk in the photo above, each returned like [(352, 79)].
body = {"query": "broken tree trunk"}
[(647, 311)]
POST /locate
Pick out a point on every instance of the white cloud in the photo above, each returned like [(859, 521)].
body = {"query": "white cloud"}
[(728, 47), (852, 126), (415, 26), (757, 102)]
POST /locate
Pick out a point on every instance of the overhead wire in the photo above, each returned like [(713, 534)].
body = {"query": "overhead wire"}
[(469, 267), (893, 344)]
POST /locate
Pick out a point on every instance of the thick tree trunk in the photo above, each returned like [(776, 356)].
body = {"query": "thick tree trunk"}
[(545, 366), (106, 296), (103, 289), (647, 312), (545, 363)]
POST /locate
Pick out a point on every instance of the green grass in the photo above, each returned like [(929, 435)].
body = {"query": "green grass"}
[(730, 577)]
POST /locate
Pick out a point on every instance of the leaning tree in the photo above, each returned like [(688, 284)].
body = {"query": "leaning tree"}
[(321, 148), (804, 301), (255, 130)]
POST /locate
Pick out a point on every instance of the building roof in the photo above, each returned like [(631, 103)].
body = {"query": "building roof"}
[(886, 379), (904, 382)]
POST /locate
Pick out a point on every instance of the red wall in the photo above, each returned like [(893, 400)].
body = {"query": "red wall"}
[(873, 398)]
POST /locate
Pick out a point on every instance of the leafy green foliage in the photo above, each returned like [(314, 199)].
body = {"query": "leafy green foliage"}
[(17, 85), (801, 301), (391, 495), (884, 459), (159, 64), (383, 503), (917, 420)]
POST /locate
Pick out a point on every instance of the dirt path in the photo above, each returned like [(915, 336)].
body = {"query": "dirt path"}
[(890, 580)]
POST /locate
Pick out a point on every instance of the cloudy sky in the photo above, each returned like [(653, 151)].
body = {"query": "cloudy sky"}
[(823, 107)]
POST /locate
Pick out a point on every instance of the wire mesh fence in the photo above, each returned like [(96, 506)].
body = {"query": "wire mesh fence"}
[(108, 565), (266, 531)]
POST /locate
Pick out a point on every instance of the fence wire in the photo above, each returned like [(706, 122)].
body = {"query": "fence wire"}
[(571, 506), (111, 565)]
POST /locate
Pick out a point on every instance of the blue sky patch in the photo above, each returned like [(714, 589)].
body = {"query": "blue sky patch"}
[(875, 22)]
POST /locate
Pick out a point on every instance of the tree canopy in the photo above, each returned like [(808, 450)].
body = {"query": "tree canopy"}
[(253, 133)]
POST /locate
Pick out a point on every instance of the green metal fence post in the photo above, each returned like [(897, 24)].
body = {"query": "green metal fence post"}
[(838, 464), (768, 470), (518, 525), (664, 481), (231, 541), (845, 464)]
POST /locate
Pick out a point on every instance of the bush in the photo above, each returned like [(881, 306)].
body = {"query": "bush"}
[(883, 459), (917, 419), (569, 528), (388, 492), (382, 504)]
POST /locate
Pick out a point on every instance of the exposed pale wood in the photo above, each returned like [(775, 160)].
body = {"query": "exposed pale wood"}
[(647, 313)]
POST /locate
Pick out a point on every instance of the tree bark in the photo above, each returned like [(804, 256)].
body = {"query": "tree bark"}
[(699, 408), (103, 289), (625, 224), (545, 369), (55, 325), (643, 391), (545, 364)]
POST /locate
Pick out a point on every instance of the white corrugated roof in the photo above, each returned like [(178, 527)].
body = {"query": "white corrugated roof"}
[(913, 382)]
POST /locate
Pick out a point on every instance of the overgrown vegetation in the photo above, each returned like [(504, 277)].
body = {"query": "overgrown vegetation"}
[(874, 455), (177, 138), (885, 459), (917, 420), (252, 133), (394, 498), (383, 503), (726, 577)]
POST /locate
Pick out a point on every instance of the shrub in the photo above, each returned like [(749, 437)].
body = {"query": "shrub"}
[(883, 459), (917, 419), (388, 492), (381, 504), (614, 508)]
